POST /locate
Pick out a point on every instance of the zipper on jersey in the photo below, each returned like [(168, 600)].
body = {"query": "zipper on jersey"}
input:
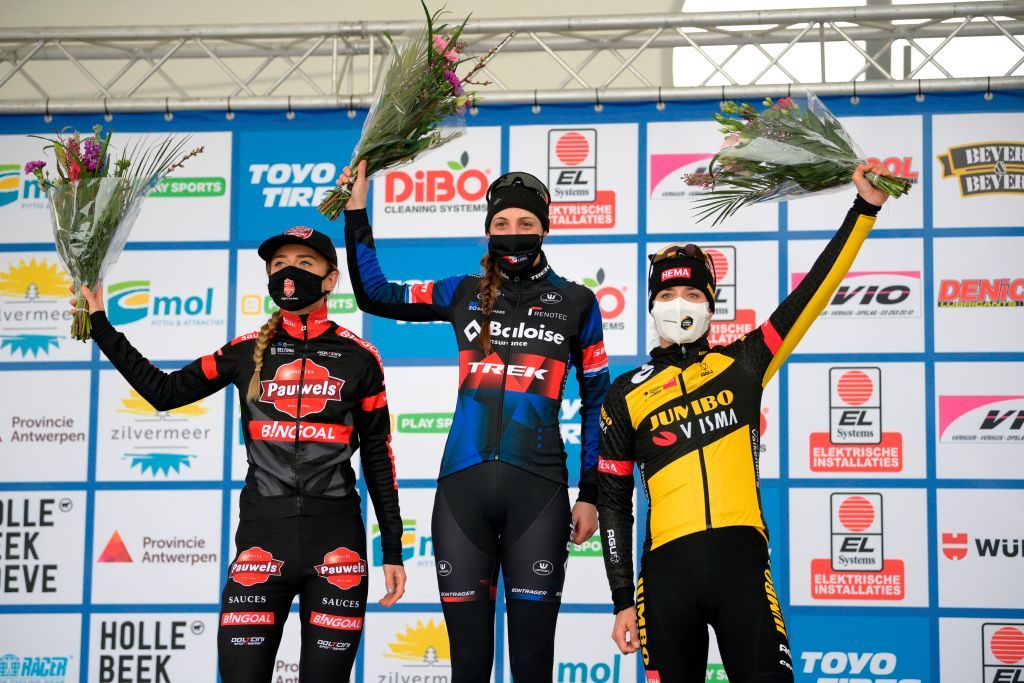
[(298, 415), (703, 463), (504, 372)]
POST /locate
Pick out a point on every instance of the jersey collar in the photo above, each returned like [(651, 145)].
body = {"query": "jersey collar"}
[(681, 355), (316, 323)]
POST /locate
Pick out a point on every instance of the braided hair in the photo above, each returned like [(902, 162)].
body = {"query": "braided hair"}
[(262, 341), (489, 285)]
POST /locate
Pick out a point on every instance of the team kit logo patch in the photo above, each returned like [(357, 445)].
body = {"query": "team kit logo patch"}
[(318, 387), (254, 565), (342, 568)]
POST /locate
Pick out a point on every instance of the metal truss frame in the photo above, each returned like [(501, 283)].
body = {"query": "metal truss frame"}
[(335, 66)]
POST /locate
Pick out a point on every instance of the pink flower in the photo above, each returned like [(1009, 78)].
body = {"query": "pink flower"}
[(74, 171), (730, 140), (785, 103), (33, 166), (443, 46)]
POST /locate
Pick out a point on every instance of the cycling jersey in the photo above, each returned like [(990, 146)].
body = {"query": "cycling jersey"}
[(689, 419), (541, 327), (322, 397)]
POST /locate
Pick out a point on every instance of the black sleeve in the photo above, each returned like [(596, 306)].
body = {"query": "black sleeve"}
[(765, 349), (164, 390), (373, 424), (377, 295), (615, 495)]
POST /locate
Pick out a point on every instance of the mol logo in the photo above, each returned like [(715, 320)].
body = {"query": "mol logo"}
[(413, 546), (855, 441), (1002, 653), (610, 299), (981, 419), (878, 294), (132, 301), (288, 185), (420, 646), (857, 569), (457, 183), (590, 672), (33, 307)]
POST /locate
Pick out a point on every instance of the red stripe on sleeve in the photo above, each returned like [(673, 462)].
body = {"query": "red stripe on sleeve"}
[(595, 358), (375, 402), (771, 337), (210, 368), (620, 468), (422, 294)]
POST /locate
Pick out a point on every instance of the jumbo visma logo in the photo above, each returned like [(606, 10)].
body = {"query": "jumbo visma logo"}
[(133, 300), (33, 307)]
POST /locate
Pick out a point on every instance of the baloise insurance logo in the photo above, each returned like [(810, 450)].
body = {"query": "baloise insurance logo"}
[(34, 313)]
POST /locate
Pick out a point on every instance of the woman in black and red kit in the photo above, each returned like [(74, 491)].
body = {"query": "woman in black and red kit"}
[(307, 406), (501, 496)]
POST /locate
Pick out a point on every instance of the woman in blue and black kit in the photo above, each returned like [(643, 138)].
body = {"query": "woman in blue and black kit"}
[(502, 497)]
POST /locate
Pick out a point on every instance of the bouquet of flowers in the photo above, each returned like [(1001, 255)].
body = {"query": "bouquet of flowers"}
[(783, 152), (94, 202), (419, 90)]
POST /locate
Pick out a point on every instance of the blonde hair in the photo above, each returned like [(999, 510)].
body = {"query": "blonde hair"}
[(262, 341), (489, 284)]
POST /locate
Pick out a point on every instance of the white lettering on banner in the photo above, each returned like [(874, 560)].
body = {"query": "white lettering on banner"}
[(853, 663), (513, 370)]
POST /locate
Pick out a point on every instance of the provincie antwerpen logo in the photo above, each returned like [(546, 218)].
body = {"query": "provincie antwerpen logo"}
[(986, 167)]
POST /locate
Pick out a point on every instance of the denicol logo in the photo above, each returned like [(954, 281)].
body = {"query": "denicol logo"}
[(981, 419), (855, 441), (131, 301), (33, 310), (1003, 292)]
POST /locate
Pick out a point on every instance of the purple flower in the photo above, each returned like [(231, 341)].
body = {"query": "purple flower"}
[(453, 81), (91, 154), (33, 166)]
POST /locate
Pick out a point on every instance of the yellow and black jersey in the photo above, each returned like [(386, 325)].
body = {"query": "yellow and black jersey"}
[(689, 420)]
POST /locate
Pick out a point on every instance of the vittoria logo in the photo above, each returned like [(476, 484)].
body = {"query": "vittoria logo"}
[(342, 568), (576, 201), (1002, 653), (986, 167), (855, 441), (857, 569), (551, 298), (444, 568), (981, 419), (254, 566), (998, 293), (312, 386), (247, 619), (874, 294)]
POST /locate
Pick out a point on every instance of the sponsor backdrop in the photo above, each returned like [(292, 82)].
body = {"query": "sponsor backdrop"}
[(892, 461)]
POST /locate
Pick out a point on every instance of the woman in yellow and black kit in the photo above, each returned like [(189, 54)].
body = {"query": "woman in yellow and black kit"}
[(689, 420)]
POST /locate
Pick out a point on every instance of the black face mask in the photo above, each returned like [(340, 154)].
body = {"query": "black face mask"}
[(293, 288), (514, 253)]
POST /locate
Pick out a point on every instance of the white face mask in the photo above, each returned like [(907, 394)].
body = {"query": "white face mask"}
[(680, 321)]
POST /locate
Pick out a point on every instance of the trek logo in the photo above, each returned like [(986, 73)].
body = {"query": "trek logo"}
[(981, 419), (254, 565), (289, 185), (500, 334), (296, 387), (857, 569), (458, 183), (986, 167), (956, 547), (998, 293), (874, 294), (576, 200), (342, 568), (247, 619), (1002, 653), (511, 370), (855, 667), (855, 441)]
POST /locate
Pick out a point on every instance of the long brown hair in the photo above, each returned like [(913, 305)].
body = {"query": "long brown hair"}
[(262, 341), (489, 285)]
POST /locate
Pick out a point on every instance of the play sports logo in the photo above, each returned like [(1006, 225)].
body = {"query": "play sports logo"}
[(1002, 652), (855, 441), (981, 419), (986, 167), (980, 293), (576, 198), (873, 294), (857, 568)]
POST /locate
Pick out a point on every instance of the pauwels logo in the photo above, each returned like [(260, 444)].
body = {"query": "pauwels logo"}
[(315, 382), (730, 321), (576, 200), (254, 565), (874, 294), (1002, 652), (33, 307), (342, 568), (981, 419), (857, 569), (986, 167), (855, 441)]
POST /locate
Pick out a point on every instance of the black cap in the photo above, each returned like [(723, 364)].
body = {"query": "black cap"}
[(314, 239), (520, 191)]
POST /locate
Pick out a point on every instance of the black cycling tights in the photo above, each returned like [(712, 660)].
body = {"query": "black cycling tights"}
[(720, 577), (496, 515), (320, 559)]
